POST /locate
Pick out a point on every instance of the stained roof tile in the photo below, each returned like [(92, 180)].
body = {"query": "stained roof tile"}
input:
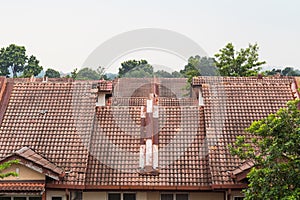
[(25, 187), (99, 147)]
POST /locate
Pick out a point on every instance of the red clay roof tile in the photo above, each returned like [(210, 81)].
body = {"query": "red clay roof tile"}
[(58, 121), (23, 187)]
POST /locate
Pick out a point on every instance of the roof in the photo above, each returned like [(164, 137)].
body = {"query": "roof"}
[(98, 147), (231, 105), (40, 116), (241, 171), (35, 187), (31, 159), (115, 149)]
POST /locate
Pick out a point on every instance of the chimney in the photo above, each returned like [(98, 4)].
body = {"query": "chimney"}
[(142, 138), (200, 97), (149, 136), (260, 76), (100, 99), (45, 79)]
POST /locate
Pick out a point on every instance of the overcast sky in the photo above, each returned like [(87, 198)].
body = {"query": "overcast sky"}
[(62, 34)]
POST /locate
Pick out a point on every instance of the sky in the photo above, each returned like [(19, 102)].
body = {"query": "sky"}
[(62, 34)]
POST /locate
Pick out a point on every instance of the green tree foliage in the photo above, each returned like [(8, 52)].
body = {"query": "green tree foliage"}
[(288, 71), (238, 63), (90, 74), (6, 165), (135, 68), (275, 150), (272, 72), (142, 69), (177, 74), (199, 66), (74, 73), (163, 74), (51, 73), (111, 76), (13, 58), (190, 70), (32, 68)]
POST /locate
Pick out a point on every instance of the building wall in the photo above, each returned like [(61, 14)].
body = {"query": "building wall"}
[(155, 196), (25, 173), (52, 193), (207, 196), (94, 196), (141, 195)]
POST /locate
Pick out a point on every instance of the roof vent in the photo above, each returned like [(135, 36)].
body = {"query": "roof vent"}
[(45, 79), (43, 112)]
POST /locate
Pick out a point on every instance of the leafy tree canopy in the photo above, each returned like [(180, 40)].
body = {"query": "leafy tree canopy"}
[(52, 73), (141, 69), (288, 71), (90, 74), (198, 66), (275, 150), (238, 63), (32, 68), (13, 58), (135, 68)]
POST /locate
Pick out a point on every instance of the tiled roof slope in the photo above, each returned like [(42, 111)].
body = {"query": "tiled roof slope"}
[(141, 87), (35, 187), (34, 159), (52, 119), (115, 148), (99, 148), (231, 105)]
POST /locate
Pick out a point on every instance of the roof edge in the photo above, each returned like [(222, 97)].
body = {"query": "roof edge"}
[(55, 174)]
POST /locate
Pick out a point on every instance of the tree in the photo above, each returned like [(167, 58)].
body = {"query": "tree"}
[(134, 68), (32, 68), (163, 74), (87, 74), (90, 74), (6, 165), (12, 58), (272, 72), (288, 71), (74, 73), (199, 66), (191, 69), (177, 74), (51, 73), (111, 76), (238, 63), (275, 150)]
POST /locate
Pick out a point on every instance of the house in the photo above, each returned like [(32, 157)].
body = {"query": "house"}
[(127, 139)]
